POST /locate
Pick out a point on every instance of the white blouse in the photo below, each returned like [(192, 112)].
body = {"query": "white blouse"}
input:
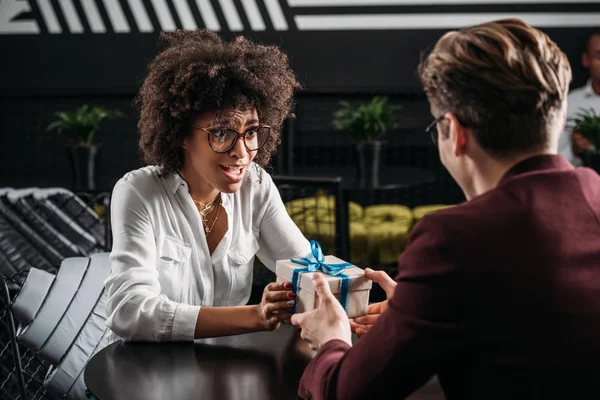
[(161, 269)]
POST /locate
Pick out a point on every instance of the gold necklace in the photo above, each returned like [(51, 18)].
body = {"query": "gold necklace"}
[(208, 230), (206, 210)]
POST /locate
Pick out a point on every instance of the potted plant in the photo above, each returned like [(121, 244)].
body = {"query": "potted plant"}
[(587, 124), (367, 124), (80, 128)]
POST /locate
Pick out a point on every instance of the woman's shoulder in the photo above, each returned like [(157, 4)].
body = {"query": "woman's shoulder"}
[(143, 180)]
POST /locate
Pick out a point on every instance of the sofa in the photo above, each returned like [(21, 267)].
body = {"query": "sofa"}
[(378, 233)]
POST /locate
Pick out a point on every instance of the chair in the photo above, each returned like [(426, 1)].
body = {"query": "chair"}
[(62, 320), (39, 228), (7, 317), (333, 211), (21, 371)]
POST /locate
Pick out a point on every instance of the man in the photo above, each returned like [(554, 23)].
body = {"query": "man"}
[(572, 144), (498, 296)]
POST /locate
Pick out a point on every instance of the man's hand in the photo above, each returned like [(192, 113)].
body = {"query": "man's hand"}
[(328, 321), (580, 144), (361, 325)]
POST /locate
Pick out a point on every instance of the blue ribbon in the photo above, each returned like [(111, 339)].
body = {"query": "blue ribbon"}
[(315, 261)]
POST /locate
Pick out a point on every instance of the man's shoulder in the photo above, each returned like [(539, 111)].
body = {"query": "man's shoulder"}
[(578, 93), (471, 219)]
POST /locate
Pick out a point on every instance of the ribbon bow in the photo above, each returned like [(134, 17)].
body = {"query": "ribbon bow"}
[(315, 261)]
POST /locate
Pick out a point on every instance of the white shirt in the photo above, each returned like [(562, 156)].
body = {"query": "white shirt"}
[(583, 98), (161, 269)]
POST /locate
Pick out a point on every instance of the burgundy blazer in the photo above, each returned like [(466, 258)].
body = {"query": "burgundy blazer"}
[(498, 296)]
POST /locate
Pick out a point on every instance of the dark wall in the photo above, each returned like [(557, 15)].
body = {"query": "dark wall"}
[(53, 64), (326, 59)]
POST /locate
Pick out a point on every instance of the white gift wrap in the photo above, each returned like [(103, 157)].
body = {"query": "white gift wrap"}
[(307, 299)]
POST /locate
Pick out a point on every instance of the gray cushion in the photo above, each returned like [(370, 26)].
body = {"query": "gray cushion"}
[(61, 294), (31, 296), (66, 378), (87, 298)]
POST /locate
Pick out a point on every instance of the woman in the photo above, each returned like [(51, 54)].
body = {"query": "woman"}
[(186, 228)]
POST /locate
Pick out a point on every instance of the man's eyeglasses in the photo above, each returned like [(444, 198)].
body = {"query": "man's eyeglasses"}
[(222, 140), (432, 129)]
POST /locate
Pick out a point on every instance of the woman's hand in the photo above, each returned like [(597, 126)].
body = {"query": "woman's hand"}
[(276, 304)]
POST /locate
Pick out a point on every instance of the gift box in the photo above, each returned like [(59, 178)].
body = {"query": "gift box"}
[(347, 282)]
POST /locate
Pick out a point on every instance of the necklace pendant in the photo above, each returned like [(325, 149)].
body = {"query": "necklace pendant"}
[(206, 229)]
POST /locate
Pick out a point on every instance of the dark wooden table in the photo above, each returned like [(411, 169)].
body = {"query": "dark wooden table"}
[(265, 365)]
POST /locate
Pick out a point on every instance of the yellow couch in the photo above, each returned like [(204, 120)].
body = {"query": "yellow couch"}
[(321, 207), (315, 217), (378, 233), (388, 227)]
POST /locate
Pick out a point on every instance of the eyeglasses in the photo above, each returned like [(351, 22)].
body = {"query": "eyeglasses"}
[(222, 140), (432, 129)]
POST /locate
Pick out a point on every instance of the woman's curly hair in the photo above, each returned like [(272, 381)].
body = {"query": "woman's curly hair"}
[(198, 71)]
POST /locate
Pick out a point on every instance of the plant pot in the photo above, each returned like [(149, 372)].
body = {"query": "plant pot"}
[(591, 159), (369, 160), (83, 164)]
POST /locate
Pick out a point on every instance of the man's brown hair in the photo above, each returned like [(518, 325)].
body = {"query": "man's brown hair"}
[(505, 80)]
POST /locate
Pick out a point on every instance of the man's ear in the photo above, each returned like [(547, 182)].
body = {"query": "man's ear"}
[(458, 134)]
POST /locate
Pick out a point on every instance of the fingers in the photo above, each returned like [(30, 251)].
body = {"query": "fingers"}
[(367, 319), (272, 324), (277, 301), (278, 291), (277, 286), (281, 295), (284, 317), (374, 308), (305, 336), (580, 143), (271, 308), (297, 319), (354, 326), (361, 331), (382, 278), (322, 288)]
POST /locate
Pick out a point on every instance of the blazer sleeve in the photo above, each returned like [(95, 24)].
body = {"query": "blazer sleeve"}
[(419, 332)]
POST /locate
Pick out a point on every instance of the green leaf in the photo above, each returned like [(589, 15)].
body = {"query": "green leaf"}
[(587, 124), (81, 125), (367, 121), (56, 125)]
